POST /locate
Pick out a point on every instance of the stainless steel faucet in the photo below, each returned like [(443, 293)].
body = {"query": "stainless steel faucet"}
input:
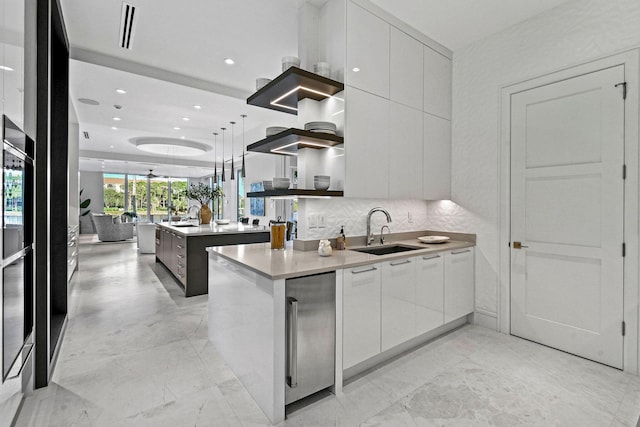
[(371, 212), (382, 233), (197, 209)]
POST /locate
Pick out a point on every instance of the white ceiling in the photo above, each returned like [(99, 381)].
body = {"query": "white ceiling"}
[(178, 51), (457, 23)]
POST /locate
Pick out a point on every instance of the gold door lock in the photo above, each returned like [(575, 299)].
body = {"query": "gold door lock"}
[(519, 245)]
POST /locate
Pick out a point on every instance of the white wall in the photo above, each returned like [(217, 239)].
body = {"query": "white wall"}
[(93, 185), (570, 34)]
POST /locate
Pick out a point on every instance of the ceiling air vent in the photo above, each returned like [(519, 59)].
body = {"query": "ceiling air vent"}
[(86, 134), (126, 25)]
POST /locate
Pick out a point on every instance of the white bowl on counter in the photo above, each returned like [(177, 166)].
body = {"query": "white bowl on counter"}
[(222, 221)]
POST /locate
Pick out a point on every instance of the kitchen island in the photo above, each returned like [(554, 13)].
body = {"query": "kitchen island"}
[(248, 307), (181, 248)]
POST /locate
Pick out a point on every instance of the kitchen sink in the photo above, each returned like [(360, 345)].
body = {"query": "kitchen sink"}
[(385, 249)]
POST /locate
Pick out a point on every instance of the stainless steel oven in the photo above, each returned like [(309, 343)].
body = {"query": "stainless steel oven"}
[(17, 242)]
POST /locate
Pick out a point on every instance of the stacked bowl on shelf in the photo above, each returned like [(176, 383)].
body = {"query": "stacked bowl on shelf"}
[(281, 183), (273, 130), (267, 185), (324, 127), (321, 182)]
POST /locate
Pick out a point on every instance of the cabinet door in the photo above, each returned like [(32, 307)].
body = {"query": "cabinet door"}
[(437, 84), (366, 154), (429, 293), (367, 51), (361, 314), (458, 284), (436, 172), (398, 302), (406, 79), (405, 152)]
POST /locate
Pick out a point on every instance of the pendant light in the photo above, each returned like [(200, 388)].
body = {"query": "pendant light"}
[(215, 157), (224, 179), (233, 174), (244, 170)]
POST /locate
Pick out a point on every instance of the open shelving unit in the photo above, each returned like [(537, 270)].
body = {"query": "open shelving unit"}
[(284, 92), (296, 192), (289, 141)]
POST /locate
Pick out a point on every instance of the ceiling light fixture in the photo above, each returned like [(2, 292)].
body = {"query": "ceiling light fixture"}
[(224, 179), (197, 107), (117, 119), (283, 149), (5, 68), (176, 128), (215, 157), (244, 170), (229, 61), (111, 146), (121, 91), (356, 69), (170, 146), (114, 128), (186, 119), (232, 171)]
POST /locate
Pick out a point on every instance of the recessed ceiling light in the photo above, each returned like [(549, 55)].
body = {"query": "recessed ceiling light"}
[(186, 119), (5, 68), (356, 69), (114, 128), (121, 91), (197, 107), (117, 119), (176, 128), (111, 146), (229, 61), (182, 137)]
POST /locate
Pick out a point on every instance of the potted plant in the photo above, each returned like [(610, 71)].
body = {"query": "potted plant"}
[(203, 194), (130, 216)]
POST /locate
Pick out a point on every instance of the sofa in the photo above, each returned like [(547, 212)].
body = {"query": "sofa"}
[(110, 231)]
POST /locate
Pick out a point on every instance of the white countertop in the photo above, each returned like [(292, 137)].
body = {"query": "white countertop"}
[(283, 264), (213, 229)]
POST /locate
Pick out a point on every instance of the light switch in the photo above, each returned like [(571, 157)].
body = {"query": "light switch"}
[(409, 218), (321, 223), (312, 221)]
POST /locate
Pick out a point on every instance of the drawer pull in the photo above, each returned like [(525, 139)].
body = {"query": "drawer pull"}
[(430, 257), (180, 256), (363, 271), (180, 246), (393, 264), (461, 252)]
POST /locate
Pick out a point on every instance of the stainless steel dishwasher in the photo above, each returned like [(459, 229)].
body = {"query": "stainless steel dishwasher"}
[(311, 334)]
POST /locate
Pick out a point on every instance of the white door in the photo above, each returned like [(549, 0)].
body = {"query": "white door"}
[(567, 200)]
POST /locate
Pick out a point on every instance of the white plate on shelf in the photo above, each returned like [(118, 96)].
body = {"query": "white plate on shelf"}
[(433, 239), (222, 221)]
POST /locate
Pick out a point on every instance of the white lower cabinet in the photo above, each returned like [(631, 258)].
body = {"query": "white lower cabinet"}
[(361, 314), (398, 301), (458, 284), (389, 303), (429, 292)]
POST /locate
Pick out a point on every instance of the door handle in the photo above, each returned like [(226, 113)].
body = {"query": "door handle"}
[(292, 378), (519, 245)]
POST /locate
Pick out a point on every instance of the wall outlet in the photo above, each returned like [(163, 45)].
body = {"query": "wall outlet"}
[(312, 220), (409, 218), (321, 222)]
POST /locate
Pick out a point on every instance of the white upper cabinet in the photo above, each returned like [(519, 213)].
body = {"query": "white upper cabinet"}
[(405, 152), (436, 163), (437, 84), (367, 51), (366, 149), (405, 70)]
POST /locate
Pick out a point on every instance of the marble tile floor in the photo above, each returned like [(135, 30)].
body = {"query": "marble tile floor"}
[(136, 354)]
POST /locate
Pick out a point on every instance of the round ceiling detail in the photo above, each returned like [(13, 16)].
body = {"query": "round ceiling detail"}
[(88, 101), (170, 146)]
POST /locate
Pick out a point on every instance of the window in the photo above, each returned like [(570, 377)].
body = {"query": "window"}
[(132, 197)]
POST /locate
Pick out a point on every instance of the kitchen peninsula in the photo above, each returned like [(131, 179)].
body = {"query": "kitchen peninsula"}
[(181, 248), (384, 305)]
